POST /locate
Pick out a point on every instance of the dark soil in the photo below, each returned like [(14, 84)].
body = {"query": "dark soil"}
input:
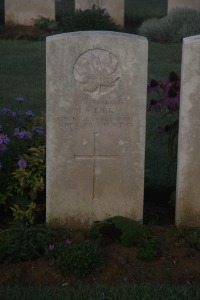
[(177, 264)]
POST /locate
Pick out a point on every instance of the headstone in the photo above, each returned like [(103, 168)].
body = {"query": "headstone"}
[(25, 12), (188, 187), (115, 8), (172, 4), (96, 106)]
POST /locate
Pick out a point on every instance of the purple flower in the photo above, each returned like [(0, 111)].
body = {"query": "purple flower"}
[(68, 242), (39, 130), (22, 134), (172, 100), (4, 141), (51, 247), (153, 86), (22, 163), (5, 111), (20, 99), (164, 130), (173, 77), (154, 105), (29, 113), (14, 114)]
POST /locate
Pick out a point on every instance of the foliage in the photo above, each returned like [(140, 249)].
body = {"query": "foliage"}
[(90, 19), (166, 99), (192, 237), (22, 161), (23, 242), (148, 249), (47, 25), (126, 232), (180, 23), (79, 259)]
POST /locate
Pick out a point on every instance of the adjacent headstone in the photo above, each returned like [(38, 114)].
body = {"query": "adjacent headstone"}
[(96, 107), (25, 12), (115, 8), (188, 187), (172, 4)]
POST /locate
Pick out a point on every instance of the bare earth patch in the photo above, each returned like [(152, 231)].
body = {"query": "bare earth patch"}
[(178, 264)]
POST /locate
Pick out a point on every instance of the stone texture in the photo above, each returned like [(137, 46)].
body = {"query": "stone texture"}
[(24, 12), (96, 107), (172, 4), (188, 187), (115, 8)]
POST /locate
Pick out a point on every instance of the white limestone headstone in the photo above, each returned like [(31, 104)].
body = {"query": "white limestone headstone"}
[(96, 108), (115, 8), (173, 4), (25, 12), (188, 174)]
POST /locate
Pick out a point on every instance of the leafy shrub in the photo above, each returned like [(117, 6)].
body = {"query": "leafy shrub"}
[(118, 229), (180, 23), (126, 232), (47, 25), (79, 259), (191, 236), (22, 161), (90, 19), (23, 242)]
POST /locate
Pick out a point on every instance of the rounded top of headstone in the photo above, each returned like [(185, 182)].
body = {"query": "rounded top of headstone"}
[(96, 72)]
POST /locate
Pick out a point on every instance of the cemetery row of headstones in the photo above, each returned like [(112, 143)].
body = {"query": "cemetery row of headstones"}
[(24, 12), (96, 106)]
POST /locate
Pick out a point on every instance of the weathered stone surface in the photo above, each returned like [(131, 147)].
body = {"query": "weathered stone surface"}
[(188, 187), (114, 7), (24, 12), (96, 107), (172, 4)]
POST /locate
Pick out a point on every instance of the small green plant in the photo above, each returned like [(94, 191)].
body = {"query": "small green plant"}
[(148, 249), (180, 23), (126, 232), (191, 236), (79, 259), (22, 242)]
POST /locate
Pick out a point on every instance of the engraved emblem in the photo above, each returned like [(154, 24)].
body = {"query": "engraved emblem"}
[(97, 72)]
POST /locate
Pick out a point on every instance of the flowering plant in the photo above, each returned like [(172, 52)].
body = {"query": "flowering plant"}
[(166, 99), (22, 160)]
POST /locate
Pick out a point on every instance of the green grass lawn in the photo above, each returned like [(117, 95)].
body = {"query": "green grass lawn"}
[(143, 292)]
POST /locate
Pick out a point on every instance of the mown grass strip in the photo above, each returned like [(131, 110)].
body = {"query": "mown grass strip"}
[(136, 292)]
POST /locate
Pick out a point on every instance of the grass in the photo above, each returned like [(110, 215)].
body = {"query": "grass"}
[(136, 292), (22, 72)]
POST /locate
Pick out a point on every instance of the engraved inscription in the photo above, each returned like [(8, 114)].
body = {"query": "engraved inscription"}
[(94, 157), (99, 121), (97, 72)]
